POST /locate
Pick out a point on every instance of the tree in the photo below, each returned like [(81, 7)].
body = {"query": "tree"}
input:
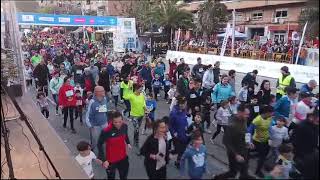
[(168, 15), (310, 14), (212, 16)]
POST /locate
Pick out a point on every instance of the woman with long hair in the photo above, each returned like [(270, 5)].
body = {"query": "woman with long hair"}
[(156, 152), (264, 94)]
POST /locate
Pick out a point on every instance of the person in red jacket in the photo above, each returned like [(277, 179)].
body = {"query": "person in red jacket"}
[(172, 69), (115, 136), (67, 102)]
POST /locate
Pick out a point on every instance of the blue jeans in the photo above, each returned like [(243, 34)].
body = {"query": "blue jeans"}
[(301, 61)]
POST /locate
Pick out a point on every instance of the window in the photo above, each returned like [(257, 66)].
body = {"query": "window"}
[(239, 16), (257, 16), (281, 13)]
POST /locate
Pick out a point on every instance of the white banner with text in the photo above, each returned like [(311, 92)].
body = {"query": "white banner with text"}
[(301, 73)]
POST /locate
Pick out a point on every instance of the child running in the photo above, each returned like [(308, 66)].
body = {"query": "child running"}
[(85, 158), (79, 106), (196, 156), (115, 91), (151, 105), (222, 116), (42, 101)]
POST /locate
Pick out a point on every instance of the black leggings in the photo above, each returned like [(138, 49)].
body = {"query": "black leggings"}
[(122, 167), (179, 147), (45, 112), (206, 118), (115, 98), (263, 150), (78, 113), (156, 174), (218, 130), (66, 111)]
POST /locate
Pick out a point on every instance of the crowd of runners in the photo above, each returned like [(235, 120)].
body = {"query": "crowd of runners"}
[(89, 82)]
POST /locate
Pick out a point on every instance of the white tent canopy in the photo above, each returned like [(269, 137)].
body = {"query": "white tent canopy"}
[(237, 34), (46, 29)]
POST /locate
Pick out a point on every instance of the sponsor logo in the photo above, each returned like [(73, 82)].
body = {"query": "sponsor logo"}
[(27, 18), (80, 20), (64, 20), (48, 19)]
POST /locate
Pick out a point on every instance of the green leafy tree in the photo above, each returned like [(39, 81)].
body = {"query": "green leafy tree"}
[(167, 14), (212, 16), (310, 14)]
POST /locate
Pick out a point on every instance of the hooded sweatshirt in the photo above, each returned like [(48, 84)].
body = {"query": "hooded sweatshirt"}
[(67, 96), (179, 124), (196, 159)]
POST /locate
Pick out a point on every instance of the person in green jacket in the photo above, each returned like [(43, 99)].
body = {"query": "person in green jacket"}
[(138, 109), (54, 86)]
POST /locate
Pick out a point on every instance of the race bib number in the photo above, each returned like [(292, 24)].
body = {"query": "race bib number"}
[(168, 83), (102, 108), (156, 83), (69, 93), (225, 114), (256, 109), (79, 103), (79, 72), (201, 70)]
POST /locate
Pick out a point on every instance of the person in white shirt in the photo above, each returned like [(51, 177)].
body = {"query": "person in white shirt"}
[(243, 94), (85, 158), (28, 75), (278, 134), (117, 64), (208, 79)]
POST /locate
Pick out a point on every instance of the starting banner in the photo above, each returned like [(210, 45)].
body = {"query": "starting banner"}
[(64, 20)]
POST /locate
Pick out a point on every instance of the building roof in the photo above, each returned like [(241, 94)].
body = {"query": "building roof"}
[(244, 4)]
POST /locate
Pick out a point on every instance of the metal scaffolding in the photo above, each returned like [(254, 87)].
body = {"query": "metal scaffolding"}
[(12, 37)]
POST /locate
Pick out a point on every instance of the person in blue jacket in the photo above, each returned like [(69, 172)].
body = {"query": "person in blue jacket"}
[(222, 91), (196, 156), (146, 75), (178, 125), (283, 105)]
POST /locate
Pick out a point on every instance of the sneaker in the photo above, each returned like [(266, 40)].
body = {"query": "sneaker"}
[(208, 131), (57, 114), (177, 164), (222, 130), (168, 102), (158, 95), (212, 140), (143, 132), (259, 174), (73, 131)]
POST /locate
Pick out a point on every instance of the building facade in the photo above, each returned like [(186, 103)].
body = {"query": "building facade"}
[(274, 19)]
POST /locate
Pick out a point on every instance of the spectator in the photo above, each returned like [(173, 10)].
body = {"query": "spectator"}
[(309, 87), (250, 79)]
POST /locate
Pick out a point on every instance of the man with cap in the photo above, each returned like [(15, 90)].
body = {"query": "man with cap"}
[(285, 80)]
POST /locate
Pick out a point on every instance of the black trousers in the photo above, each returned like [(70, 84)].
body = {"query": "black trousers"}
[(166, 90), (68, 111), (206, 118), (219, 130), (122, 167), (45, 112), (115, 98), (148, 86), (156, 91), (156, 174), (78, 113), (263, 150), (179, 147), (234, 167)]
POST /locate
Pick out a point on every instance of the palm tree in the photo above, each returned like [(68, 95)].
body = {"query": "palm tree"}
[(310, 14), (169, 16), (212, 16)]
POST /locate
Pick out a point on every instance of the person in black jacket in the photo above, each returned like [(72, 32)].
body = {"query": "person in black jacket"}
[(183, 83), (181, 68), (216, 72), (41, 74), (126, 68), (198, 69), (104, 79), (305, 136), (264, 94), (194, 96), (156, 152), (250, 79)]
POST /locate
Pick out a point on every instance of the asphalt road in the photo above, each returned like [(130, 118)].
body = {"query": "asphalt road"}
[(217, 160)]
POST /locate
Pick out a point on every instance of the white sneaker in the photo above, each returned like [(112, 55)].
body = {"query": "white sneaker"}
[(222, 130), (57, 114), (143, 132), (158, 95), (212, 141), (208, 131)]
